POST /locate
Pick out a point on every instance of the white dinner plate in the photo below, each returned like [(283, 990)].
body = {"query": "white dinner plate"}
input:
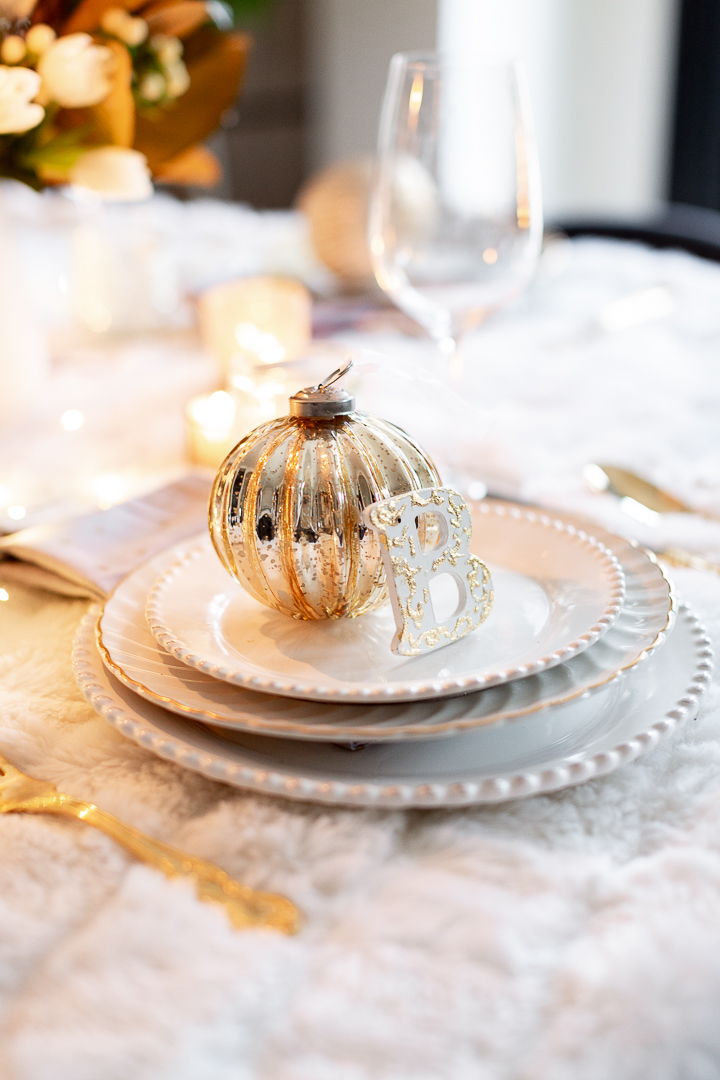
[(136, 659), (557, 591), (565, 745)]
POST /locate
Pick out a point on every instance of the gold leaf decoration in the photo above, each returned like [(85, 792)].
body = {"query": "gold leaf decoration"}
[(179, 19), (114, 118), (216, 63), (197, 166)]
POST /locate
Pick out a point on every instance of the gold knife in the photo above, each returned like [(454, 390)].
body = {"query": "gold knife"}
[(245, 907)]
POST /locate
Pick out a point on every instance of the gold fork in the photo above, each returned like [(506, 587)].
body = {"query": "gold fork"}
[(245, 907)]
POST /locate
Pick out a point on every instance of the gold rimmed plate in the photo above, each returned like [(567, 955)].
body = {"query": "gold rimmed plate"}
[(557, 591), (134, 657), (568, 744)]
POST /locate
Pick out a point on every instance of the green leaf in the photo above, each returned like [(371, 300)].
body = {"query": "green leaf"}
[(249, 10), (61, 152)]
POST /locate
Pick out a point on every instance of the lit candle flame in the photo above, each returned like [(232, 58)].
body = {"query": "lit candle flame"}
[(416, 96)]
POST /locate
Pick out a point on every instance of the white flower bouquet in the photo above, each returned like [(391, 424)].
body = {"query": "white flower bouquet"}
[(109, 97)]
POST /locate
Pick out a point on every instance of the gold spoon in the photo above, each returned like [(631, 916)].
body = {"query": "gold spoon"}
[(674, 556), (628, 485), (245, 907), (645, 501)]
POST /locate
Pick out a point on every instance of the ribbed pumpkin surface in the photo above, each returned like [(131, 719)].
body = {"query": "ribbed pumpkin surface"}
[(286, 511)]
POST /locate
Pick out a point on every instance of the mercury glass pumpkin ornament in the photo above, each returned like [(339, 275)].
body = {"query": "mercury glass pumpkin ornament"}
[(286, 509)]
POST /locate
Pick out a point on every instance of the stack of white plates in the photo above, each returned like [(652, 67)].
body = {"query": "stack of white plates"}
[(581, 667)]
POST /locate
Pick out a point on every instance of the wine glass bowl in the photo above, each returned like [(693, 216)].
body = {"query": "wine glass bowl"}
[(455, 223)]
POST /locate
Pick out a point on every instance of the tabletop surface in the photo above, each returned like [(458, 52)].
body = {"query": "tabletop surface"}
[(563, 936)]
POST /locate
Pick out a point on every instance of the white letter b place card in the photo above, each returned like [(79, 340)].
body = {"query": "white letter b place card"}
[(439, 590)]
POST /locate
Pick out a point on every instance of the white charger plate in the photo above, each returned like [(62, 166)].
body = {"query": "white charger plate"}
[(131, 653), (565, 745), (557, 591)]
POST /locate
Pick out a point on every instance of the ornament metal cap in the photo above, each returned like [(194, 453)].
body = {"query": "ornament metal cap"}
[(324, 400)]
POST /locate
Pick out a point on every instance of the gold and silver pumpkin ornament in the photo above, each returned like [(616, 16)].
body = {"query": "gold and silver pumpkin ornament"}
[(286, 510)]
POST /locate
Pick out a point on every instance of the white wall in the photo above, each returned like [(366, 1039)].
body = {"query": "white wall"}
[(601, 77), (350, 43)]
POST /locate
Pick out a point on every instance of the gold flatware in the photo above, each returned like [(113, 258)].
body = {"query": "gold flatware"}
[(245, 907), (675, 556), (680, 557), (643, 500), (628, 485)]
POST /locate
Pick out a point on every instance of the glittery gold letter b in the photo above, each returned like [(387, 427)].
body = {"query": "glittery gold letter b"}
[(425, 537)]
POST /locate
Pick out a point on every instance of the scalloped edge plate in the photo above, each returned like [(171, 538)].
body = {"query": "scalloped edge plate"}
[(131, 653), (580, 740), (557, 591)]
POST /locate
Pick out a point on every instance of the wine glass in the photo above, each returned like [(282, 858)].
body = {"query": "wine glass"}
[(455, 223)]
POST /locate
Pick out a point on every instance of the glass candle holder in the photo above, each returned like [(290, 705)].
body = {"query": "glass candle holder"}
[(255, 322)]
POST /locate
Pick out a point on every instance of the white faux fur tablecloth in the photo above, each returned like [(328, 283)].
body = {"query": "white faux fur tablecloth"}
[(574, 936), (564, 936)]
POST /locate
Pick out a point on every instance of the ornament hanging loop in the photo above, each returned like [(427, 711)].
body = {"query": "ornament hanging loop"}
[(336, 375)]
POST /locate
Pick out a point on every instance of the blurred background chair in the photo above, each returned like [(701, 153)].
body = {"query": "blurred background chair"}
[(691, 219), (691, 228), (695, 176)]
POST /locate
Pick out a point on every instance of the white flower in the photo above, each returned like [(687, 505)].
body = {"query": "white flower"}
[(75, 72), (121, 24), (113, 20), (153, 86), (39, 38), (12, 50), (134, 32), (113, 172), (18, 86), (167, 48), (177, 78)]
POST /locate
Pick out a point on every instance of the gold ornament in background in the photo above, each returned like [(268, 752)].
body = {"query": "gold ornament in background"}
[(286, 509), (335, 202)]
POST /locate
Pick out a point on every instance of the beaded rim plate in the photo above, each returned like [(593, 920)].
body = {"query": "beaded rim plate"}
[(577, 741), (557, 591), (131, 653)]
